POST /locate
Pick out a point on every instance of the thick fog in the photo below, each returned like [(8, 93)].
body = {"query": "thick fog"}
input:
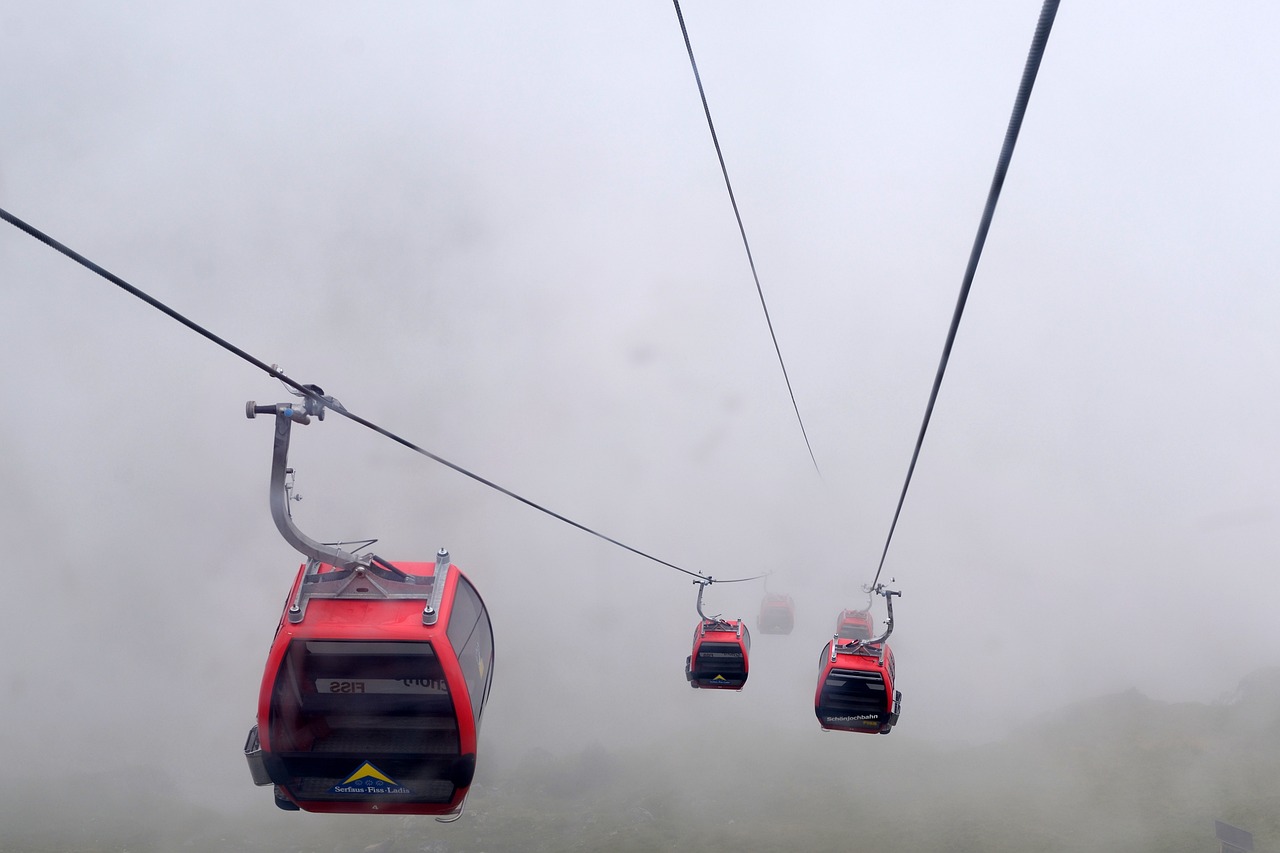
[(500, 231)]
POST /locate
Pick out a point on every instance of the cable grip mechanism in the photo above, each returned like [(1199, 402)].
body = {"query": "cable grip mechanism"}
[(286, 415)]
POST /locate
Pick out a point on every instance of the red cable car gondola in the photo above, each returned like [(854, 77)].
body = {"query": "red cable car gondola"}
[(721, 651), (856, 689), (376, 680), (777, 614), (855, 625), (720, 658)]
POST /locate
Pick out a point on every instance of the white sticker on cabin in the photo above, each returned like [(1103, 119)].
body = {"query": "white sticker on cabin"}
[(409, 686)]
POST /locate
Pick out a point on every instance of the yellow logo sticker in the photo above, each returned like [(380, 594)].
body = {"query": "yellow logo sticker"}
[(369, 781)]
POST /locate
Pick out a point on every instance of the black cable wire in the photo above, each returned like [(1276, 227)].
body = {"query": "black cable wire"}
[(309, 392), (743, 231), (1038, 41)]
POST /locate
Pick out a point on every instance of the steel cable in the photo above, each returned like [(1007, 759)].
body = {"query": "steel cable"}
[(743, 231), (1032, 67), (310, 393)]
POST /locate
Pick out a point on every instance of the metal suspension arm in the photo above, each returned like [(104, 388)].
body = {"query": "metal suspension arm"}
[(286, 414), (702, 585), (888, 602)]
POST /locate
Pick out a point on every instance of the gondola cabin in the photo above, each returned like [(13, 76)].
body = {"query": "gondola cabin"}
[(855, 625), (856, 690), (721, 655), (373, 690), (777, 614)]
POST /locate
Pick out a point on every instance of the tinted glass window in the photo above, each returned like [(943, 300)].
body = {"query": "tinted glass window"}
[(346, 683), (338, 704), (471, 636)]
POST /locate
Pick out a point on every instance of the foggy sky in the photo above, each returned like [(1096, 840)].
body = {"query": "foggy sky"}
[(499, 230)]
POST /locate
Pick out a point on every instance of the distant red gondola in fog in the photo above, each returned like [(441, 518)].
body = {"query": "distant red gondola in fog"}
[(856, 689), (721, 651), (777, 614), (855, 625), (376, 680)]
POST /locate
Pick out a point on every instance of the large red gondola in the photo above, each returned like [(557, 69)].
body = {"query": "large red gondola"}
[(721, 655), (777, 614), (856, 689), (376, 681), (363, 707)]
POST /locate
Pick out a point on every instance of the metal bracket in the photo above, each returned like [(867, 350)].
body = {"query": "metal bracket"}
[(888, 603), (360, 582), (363, 576), (431, 611), (286, 414)]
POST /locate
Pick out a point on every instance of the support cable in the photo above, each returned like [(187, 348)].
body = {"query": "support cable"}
[(1038, 41), (743, 231), (311, 393)]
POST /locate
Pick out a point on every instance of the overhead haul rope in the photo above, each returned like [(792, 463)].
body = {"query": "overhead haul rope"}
[(1047, 13), (743, 231), (310, 393)]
